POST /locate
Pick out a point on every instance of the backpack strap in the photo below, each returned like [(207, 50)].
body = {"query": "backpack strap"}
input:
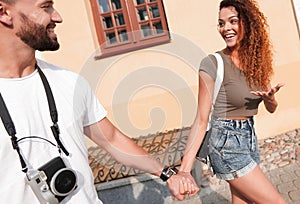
[(220, 75), (218, 82), (203, 150)]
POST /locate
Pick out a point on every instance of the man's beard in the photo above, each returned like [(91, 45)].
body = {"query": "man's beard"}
[(36, 36)]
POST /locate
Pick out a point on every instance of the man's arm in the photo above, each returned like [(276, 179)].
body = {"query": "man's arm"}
[(121, 147), (126, 151)]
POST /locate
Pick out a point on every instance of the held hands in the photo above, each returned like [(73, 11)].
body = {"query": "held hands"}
[(182, 184)]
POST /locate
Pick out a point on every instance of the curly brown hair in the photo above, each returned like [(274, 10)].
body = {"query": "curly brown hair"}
[(255, 43)]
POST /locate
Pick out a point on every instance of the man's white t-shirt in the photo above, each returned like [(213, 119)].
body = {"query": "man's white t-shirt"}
[(27, 103)]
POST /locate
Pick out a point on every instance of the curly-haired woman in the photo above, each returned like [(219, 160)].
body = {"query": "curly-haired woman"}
[(247, 59)]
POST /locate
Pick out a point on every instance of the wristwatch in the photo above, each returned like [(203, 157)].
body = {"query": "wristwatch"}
[(167, 172)]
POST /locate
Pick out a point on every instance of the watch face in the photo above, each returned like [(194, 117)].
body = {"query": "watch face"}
[(164, 174), (167, 173)]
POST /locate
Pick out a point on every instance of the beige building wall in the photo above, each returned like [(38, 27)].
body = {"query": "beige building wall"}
[(155, 89)]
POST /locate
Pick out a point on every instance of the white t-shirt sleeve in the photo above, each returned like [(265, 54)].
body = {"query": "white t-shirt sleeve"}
[(86, 107), (94, 109)]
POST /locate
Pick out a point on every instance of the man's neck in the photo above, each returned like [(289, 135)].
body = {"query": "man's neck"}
[(16, 68), (16, 58), (16, 63)]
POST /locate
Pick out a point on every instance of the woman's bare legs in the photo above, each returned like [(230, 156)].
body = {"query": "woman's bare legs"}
[(237, 198), (255, 187)]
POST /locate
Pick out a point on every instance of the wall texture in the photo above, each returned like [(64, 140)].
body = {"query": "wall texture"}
[(155, 89)]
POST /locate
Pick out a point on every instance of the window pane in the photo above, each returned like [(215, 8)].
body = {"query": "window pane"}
[(116, 4), (151, 0), (107, 22), (140, 2), (142, 13), (155, 11), (104, 6), (111, 38), (119, 19), (146, 31), (158, 27), (123, 36)]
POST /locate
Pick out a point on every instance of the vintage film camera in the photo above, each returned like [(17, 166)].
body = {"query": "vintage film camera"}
[(52, 182)]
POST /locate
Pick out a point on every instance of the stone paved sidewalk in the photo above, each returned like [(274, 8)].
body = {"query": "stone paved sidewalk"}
[(285, 179)]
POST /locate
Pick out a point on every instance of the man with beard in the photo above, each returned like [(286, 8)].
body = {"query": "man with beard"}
[(46, 110)]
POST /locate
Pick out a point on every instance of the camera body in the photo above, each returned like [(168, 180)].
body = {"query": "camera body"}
[(52, 182)]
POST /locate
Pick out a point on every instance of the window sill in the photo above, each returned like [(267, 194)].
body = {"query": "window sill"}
[(110, 52)]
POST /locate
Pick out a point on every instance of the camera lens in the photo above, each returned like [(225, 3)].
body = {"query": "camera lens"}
[(63, 182)]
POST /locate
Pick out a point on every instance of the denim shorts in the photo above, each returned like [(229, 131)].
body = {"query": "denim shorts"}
[(233, 148)]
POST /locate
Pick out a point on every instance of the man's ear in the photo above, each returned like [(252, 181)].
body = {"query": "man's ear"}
[(5, 17)]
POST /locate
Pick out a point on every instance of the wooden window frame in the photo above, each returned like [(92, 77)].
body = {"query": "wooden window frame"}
[(132, 26), (296, 7)]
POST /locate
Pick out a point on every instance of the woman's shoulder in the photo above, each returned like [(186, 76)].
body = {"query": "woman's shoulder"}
[(210, 61)]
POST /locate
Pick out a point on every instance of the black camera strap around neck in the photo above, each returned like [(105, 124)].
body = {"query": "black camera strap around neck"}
[(11, 130), (52, 109)]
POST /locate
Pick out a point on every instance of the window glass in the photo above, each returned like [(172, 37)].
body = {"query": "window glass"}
[(116, 4), (120, 19), (155, 11), (140, 2), (142, 13), (104, 6), (107, 21), (146, 30), (158, 27)]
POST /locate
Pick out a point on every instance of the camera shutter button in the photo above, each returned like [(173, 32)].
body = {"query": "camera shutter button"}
[(44, 188)]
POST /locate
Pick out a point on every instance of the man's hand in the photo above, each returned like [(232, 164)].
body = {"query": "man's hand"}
[(182, 184)]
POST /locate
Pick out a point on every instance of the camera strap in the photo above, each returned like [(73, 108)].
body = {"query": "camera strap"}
[(11, 130), (53, 111)]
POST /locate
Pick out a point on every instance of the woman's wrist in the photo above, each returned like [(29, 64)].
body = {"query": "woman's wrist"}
[(269, 98), (185, 166), (270, 103), (185, 169)]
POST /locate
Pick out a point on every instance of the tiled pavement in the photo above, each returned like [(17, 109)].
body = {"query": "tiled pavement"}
[(285, 179)]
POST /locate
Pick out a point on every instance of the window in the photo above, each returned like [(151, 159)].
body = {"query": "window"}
[(126, 25)]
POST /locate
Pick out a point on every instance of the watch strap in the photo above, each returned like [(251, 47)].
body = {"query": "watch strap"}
[(167, 172)]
